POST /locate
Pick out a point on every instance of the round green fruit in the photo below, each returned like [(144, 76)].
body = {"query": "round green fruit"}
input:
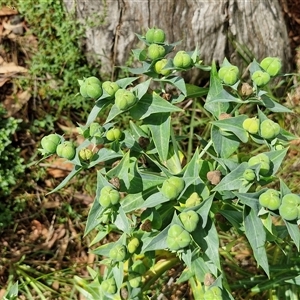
[(109, 197), (155, 35), (229, 74), (264, 162), (133, 245), (193, 200), (118, 253), (124, 99), (50, 142), (291, 200), (82, 91), (159, 67), (260, 78), (271, 65), (66, 150), (114, 134), (96, 129), (109, 286), (110, 87), (93, 91), (135, 280), (172, 187), (288, 212), (269, 129), (249, 175), (177, 238), (92, 80), (182, 60), (214, 293), (85, 154), (251, 125), (190, 220), (156, 51), (270, 199)]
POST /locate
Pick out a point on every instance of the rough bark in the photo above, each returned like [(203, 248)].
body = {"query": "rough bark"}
[(236, 29)]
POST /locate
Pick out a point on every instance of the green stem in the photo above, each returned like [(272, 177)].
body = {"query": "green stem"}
[(157, 270), (191, 133), (205, 149)]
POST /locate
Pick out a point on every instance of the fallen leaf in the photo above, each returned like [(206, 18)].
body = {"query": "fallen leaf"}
[(12, 68), (8, 11), (13, 103)]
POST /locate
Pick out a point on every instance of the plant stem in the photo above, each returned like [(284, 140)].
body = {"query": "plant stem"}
[(157, 270), (191, 134)]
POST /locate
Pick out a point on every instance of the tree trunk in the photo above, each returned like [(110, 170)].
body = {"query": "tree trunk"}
[(237, 29)]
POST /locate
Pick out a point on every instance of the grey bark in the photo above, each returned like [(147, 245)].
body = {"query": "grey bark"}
[(236, 29)]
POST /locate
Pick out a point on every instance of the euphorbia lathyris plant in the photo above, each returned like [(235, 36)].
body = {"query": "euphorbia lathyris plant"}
[(162, 206)]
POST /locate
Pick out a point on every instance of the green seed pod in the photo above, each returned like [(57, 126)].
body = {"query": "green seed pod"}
[(50, 142), (291, 200), (139, 267), (93, 91), (156, 51), (226, 69), (110, 87), (155, 35), (85, 154), (177, 238), (269, 129), (66, 150), (118, 253), (133, 245), (288, 212), (251, 125), (92, 80), (114, 134), (109, 286), (182, 60), (96, 129), (271, 65), (109, 196), (260, 78), (270, 199), (249, 175), (172, 187), (193, 200), (124, 99), (135, 280), (82, 91), (159, 67), (214, 293), (189, 219), (264, 162)]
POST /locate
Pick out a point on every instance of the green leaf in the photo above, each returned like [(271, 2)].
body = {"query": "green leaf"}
[(151, 104), (102, 155), (224, 97), (273, 105), (160, 127), (256, 236), (178, 82), (276, 157), (194, 91), (154, 200), (224, 145), (100, 104), (142, 88), (122, 222), (156, 242), (215, 88), (146, 67), (132, 201), (233, 180), (294, 232), (234, 125), (121, 170), (208, 240), (124, 82), (74, 172)]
